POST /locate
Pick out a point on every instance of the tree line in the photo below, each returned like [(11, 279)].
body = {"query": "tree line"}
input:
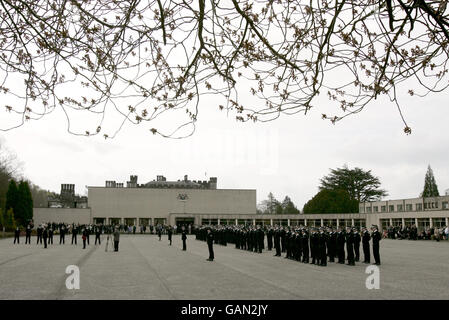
[(341, 191), (18, 195)]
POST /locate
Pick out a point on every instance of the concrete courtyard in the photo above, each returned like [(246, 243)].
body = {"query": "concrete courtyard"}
[(146, 268)]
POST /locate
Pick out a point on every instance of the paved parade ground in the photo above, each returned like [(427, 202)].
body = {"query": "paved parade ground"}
[(146, 268)]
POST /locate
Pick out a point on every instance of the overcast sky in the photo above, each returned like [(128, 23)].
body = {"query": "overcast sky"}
[(287, 156)]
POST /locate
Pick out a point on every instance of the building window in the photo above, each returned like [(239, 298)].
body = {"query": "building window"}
[(383, 208), (425, 205), (368, 209), (400, 207), (419, 207), (445, 205), (436, 204), (408, 207), (390, 208), (375, 209), (362, 209)]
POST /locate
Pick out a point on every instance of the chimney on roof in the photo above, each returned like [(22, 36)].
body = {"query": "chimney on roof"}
[(185, 178)]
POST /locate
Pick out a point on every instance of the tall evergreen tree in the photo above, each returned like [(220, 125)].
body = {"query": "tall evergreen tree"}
[(2, 220), (361, 185), (24, 207), (288, 207), (331, 201), (430, 185), (12, 196)]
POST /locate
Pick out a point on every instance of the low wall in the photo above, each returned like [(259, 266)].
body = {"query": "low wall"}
[(66, 215)]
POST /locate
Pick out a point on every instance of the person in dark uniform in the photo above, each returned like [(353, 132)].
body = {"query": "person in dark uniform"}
[(357, 240), (159, 232), (376, 238), (314, 242), (39, 234), (28, 234), (184, 238), (366, 237), (341, 239), (84, 237), (116, 239), (283, 235), (17, 235), (210, 244), (74, 233), (322, 253), (170, 233), (305, 246), (45, 236), (332, 245), (277, 242), (50, 235), (298, 246), (62, 231), (87, 229), (288, 247), (97, 235), (270, 238), (260, 239), (350, 246)]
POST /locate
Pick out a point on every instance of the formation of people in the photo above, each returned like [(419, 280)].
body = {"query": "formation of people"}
[(46, 232), (303, 244)]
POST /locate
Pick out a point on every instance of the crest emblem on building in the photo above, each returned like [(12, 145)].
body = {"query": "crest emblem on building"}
[(183, 196)]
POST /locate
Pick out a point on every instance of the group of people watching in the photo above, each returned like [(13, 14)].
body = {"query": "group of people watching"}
[(412, 233), (303, 244)]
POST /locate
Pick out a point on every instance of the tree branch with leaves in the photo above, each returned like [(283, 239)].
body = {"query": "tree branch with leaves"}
[(109, 63)]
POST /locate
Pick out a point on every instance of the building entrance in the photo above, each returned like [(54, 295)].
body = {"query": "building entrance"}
[(184, 222)]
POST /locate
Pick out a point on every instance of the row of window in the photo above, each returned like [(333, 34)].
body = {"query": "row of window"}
[(293, 222), (423, 223), (408, 207)]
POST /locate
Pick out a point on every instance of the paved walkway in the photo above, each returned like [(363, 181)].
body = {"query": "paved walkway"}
[(146, 268)]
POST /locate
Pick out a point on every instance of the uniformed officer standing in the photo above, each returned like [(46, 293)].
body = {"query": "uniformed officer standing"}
[(97, 235), (365, 244), (74, 233), (39, 234), (350, 246), (332, 245), (357, 240), (322, 253), (314, 242), (376, 238), (341, 239), (169, 232), (260, 239), (283, 235), (50, 235), (270, 238), (17, 235), (116, 239), (277, 242), (28, 234), (87, 229), (84, 237), (305, 246), (159, 232), (62, 231), (210, 244), (184, 238), (45, 236)]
